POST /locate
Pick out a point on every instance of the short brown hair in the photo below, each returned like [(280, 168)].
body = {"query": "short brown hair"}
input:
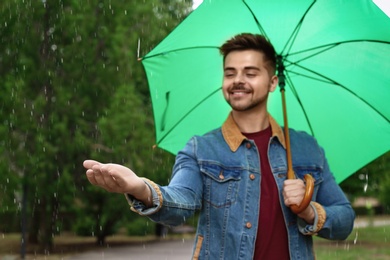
[(248, 41)]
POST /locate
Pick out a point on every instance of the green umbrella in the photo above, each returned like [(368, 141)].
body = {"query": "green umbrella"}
[(336, 55)]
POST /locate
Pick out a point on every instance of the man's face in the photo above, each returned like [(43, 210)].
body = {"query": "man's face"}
[(246, 80)]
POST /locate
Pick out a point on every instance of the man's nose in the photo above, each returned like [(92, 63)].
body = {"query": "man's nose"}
[(239, 79)]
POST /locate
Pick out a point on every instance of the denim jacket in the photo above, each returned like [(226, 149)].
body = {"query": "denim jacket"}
[(219, 175)]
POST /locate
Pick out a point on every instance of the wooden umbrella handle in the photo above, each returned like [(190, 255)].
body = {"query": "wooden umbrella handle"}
[(307, 197), (290, 172)]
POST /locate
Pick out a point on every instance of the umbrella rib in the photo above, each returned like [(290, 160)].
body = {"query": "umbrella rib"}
[(295, 93), (186, 114), (310, 77), (293, 36), (329, 46), (329, 80), (179, 49), (261, 29)]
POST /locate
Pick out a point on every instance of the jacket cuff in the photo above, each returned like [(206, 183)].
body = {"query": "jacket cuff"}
[(139, 207), (319, 220)]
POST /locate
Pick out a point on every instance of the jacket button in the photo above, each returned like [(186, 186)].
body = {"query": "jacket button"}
[(248, 145), (252, 176), (248, 225)]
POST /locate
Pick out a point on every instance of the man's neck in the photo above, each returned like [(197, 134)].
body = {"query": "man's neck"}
[(251, 121)]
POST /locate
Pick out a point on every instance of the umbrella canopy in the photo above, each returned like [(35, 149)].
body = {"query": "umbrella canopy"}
[(336, 55)]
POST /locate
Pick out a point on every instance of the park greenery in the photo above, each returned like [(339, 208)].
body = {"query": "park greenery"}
[(71, 89)]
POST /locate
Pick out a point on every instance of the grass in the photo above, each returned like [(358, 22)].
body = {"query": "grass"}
[(64, 245), (363, 243)]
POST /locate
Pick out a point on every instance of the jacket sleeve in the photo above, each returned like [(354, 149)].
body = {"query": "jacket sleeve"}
[(173, 204), (339, 215)]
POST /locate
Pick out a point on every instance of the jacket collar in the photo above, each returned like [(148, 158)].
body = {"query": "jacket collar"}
[(233, 136)]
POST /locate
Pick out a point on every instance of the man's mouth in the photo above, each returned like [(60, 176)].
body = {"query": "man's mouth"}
[(239, 91)]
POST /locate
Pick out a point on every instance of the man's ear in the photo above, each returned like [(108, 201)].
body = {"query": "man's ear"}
[(274, 83)]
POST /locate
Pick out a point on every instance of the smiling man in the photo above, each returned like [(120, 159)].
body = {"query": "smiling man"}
[(236, 175)]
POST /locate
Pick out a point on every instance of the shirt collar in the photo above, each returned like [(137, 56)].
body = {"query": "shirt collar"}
[(233, 136)]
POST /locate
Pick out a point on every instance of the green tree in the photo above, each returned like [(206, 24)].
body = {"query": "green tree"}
[(373, 180), (61, 64)]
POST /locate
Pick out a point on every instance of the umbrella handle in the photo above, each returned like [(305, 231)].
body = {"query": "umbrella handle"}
[(307, 197), (290, 172)]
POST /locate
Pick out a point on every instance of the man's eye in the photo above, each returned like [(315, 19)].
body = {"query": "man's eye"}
[(251, 75)]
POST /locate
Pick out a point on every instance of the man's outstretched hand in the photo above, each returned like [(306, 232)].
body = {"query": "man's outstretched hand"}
[(117, 178)]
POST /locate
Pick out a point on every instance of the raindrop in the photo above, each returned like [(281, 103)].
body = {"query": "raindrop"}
[(44, 149), (117, 68), (51, 30), (138, 48), (125, 14), (54, 47), (366, 184), (356, 237)]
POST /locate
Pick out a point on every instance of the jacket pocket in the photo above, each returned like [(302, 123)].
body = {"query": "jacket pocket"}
[(220, 184)]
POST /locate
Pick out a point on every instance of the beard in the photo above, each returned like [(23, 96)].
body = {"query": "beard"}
[(246, 104)]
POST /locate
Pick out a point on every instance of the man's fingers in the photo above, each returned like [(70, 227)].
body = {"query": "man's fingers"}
[(293, 192), (91, 177), (88, 164), (109, 180), (112, 177)]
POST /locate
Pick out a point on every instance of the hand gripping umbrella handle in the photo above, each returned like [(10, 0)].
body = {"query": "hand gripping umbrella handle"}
[(290, 173), (307, 197)]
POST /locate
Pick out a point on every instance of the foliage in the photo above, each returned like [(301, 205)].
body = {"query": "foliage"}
[(373, 180), (140, 226), (384, 191), (63, 63)]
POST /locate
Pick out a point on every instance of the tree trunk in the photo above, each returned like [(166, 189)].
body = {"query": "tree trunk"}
[(34, 227)]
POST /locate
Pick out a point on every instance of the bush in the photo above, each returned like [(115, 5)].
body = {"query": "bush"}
[(10, 221), (84, 227), (140, 226)]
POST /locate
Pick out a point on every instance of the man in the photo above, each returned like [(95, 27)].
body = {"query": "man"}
[(236, 175)]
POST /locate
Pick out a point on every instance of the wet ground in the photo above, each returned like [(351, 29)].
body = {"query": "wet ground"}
[(172, 249), (161, 250)]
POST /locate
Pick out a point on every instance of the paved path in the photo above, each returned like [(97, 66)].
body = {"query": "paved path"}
[(159, 250), (168, 249)]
